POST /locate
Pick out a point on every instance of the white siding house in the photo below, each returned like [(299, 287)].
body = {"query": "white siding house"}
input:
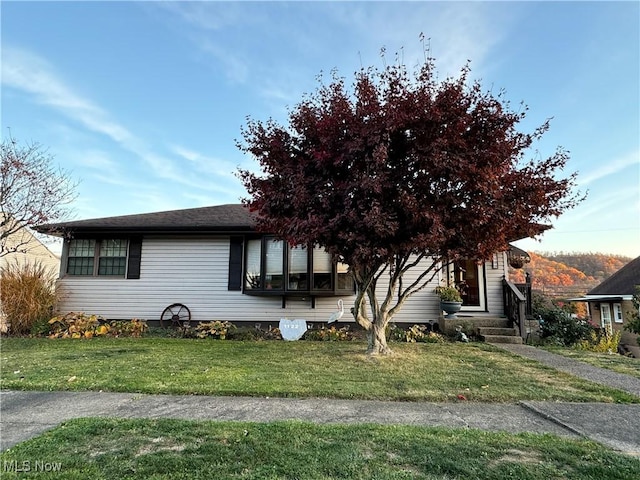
[(136, 266)]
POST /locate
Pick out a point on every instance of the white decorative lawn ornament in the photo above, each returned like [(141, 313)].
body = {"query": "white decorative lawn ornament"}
[(335, 316), (292, 329)]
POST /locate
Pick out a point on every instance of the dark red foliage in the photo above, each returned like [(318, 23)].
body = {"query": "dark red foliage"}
[(402, 165)]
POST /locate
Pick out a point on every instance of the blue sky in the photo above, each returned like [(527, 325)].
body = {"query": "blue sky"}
[(144, 101)]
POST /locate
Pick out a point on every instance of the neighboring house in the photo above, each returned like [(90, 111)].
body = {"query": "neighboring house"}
[(610, 303), (23, 247), (212, 261)]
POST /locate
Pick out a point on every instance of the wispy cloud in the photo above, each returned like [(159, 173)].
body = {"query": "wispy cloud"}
[(600, 206), (454, 32), (205, 22), (29, 73), (304, 33), (611, 167), (212, 16), (234, 66), (203, 163), (209, 167)]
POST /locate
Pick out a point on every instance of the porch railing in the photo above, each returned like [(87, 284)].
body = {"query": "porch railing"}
[(517, 303)]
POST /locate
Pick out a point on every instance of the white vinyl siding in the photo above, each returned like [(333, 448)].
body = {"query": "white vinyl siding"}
[(193, 271), (493, 278)]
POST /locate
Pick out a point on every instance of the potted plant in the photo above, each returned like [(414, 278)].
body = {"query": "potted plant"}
[(450, 300)]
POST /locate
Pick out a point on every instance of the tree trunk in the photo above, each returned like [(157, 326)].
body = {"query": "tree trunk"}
[(377, 339)]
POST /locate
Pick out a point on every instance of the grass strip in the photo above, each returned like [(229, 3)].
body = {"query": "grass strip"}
[(178, 449), (416, 372), (614, 362)]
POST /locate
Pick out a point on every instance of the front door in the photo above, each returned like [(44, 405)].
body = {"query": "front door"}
[(605, 316), (470, 277)]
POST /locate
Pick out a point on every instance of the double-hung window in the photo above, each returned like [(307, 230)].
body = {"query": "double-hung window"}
[(81, 257), (617, 313), (112, 259), (92, 257)]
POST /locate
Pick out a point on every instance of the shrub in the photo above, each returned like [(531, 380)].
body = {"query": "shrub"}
[(415, 333), (540, 303), (81, 325), (633, 325), (77, 325), (557, 326), (331, 334), (133, 328), (273, 333), (40, 329), (164, 332), (216, 329), (605, 342), (247, 334), (27, 295)]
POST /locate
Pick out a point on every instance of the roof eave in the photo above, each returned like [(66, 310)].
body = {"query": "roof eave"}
[(601, 298), (160, 230)]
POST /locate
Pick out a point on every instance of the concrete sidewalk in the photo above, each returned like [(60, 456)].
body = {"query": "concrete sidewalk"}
[(24, 415)]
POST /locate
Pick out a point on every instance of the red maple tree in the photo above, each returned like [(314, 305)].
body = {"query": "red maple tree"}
[(403, 173)]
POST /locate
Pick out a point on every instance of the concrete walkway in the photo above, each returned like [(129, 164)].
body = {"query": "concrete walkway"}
[(626, 383), (24, 415)]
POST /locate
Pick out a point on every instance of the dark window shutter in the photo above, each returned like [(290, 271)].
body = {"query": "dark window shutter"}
[(135, 255), (235, 263)]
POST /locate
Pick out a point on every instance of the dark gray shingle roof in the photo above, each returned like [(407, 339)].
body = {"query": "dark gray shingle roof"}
[(220, 218), (622, 282)]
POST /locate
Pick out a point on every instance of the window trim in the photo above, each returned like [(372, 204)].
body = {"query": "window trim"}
[(132, 257), (617, 312), (94, 257)]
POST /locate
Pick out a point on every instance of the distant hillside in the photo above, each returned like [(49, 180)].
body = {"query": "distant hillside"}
[(595, 265), (566, 275)]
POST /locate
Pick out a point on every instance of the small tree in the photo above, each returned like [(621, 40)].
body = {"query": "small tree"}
[(403, 172), (633, 325), (32, 191)]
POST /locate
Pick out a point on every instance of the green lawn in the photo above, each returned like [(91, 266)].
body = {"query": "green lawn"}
[(614, 362), (176, 449), (417, 372)]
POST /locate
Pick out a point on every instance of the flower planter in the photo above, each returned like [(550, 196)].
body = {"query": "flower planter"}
[(451, 308)]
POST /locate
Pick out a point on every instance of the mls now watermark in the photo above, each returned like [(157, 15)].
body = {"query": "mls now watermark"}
[(29, 466)]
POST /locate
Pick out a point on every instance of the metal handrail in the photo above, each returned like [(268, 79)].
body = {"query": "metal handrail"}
[(515, 305)]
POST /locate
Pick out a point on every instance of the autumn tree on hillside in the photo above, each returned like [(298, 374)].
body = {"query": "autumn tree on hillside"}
[(402, 172), (32, 191)]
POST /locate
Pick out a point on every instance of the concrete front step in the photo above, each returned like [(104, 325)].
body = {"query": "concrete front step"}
[(448, 325), (489, 328), (497, 331), (490, 322), (502, 339)]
